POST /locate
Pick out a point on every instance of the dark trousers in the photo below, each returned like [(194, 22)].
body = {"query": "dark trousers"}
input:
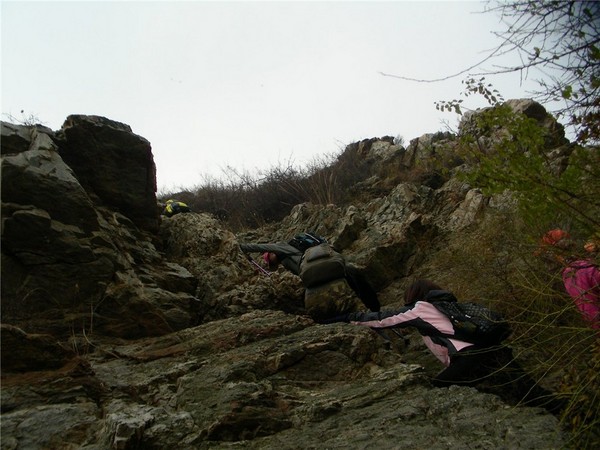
[(361, 286), (495, 371)]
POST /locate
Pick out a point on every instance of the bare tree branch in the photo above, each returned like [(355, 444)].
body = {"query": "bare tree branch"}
[(560, 40)]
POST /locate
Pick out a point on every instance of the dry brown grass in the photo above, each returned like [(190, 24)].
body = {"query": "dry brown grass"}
[(496, 264)]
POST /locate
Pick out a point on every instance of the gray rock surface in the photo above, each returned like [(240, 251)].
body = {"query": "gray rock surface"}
[(123, 330)]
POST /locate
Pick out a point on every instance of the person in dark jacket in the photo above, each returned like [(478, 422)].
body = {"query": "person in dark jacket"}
[(290, 257), (490, 368)]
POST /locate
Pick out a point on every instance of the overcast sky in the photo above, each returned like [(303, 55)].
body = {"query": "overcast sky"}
[(250, 85)]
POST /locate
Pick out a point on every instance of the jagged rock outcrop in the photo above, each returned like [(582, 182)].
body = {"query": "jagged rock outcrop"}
[(127, 181), (69, 262), (553, 131), (124, 330)]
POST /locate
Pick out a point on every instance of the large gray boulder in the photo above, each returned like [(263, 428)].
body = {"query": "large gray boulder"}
[(127, 179), (70, 263)]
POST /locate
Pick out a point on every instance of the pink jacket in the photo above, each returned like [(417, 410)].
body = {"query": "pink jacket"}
[(421, 316), (582, 282)]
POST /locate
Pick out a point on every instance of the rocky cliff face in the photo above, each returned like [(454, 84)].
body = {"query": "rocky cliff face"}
[(122, 329)]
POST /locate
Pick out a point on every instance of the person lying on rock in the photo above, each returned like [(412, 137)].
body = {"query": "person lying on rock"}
[(331, 295), (173, 207), (490, 368)]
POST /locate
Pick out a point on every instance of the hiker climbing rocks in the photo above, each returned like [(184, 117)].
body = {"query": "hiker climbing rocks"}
[(582, 281), (580, 275), (332, 285), (173, 207), (481, 360)]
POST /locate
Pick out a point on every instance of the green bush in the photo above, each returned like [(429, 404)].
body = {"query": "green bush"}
[(497, 264), (548, 187), (553, 188)]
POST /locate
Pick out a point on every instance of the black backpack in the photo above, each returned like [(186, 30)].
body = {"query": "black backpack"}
[(320, 265), (475, 323), (304, 241)]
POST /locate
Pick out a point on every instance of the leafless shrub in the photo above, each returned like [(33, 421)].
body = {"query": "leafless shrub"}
[(247, 199), (27, 119)]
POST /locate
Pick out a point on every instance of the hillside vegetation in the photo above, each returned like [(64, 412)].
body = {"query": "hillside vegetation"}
[(514, 155), (146, 331)]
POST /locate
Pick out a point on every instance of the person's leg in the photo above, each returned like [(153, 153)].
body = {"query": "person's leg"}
[(464, 369), (495, 371), (507, 379)]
